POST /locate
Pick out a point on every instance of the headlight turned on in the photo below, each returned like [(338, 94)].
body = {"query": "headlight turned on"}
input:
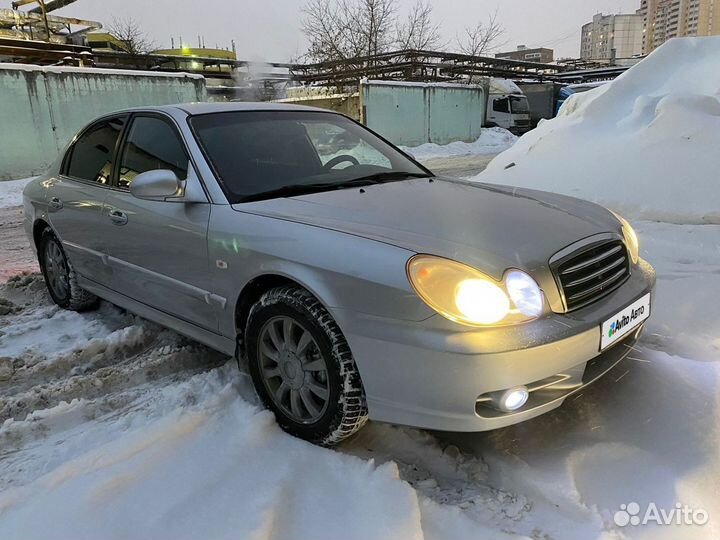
[(631, 239), (465, 295)]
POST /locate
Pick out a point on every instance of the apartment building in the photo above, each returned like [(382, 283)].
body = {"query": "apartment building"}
[(666, 19), (609, 37)]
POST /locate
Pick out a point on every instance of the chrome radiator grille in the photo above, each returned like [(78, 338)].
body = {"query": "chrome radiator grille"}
[(592, 272)]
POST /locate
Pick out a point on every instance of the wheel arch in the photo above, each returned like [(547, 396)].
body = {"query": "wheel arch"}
[(253, 291), (38, 229)]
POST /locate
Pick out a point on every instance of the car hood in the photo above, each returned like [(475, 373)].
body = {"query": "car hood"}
[(487, 226)]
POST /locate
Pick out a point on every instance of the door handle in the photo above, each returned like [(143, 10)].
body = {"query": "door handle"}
[(118, 217), (55, 204)]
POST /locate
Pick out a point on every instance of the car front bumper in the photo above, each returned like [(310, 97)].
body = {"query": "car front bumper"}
[(435, 375)]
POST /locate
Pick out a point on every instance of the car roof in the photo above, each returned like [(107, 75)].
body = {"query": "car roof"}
[(209, 108)]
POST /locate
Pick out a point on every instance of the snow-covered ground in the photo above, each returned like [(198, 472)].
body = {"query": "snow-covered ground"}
[(11, 192), (116, 428), (17, 257), (492, 141)]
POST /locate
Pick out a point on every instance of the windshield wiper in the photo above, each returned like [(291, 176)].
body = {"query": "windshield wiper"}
[(294, 190), (389, 176)]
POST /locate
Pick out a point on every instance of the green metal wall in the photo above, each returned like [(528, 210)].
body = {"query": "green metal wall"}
[(411, 114), (41, 108)]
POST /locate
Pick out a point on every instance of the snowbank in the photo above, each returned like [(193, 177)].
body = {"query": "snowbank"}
[(492, 141), (645, 145), (11, 192)]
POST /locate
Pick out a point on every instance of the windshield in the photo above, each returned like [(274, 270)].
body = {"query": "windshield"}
[(262, 154), (519, 104)]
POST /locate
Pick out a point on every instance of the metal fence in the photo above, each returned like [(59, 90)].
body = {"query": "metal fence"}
[(411, 114), (41, 108)]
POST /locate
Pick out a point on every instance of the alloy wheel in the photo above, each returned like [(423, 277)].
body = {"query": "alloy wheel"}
[(56, 269), (293, 369)]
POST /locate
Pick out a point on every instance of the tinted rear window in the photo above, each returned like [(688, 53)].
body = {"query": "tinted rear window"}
[(92, 155)]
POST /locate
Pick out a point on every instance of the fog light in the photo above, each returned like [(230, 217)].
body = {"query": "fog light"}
[(512, 399)]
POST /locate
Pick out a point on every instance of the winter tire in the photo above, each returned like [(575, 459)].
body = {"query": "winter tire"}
[(302, 367), (60, 276)]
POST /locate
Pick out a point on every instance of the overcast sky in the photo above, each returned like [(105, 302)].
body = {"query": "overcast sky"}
[(268, 30)]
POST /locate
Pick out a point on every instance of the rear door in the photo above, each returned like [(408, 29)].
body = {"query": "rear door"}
[(77, 195), (158, 249)]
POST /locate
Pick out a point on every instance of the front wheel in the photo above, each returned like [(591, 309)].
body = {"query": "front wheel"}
[(60, 276), (302, 367)]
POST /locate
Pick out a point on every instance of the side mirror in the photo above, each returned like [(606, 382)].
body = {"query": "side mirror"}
[(156, 185)]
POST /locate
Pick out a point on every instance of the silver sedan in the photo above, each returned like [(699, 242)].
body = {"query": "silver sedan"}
[(353, 282)]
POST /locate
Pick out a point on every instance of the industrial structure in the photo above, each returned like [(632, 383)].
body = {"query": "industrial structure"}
[(612, 37), (666, 19), (38, 24), (38, 36), (421, 66)]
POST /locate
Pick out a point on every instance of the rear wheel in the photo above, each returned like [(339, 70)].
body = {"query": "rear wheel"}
[(302, 367), (60, 276)]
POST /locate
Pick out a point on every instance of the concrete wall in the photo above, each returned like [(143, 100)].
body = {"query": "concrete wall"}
[(347, 104), (41, 108), (410, 114)]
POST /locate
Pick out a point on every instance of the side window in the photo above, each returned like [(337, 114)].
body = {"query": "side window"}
[(91, 156), (151, 144), (501, 105)]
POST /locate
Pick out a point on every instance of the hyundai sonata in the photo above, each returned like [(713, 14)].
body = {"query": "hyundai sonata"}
[(354, 282)]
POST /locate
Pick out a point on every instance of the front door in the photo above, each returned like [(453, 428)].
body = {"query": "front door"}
[(158, 249), (76, 196)]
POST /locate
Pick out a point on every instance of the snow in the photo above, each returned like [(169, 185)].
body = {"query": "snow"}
[(93, 70), (11, 192), (644, 145), (414, 84), (504, 86), (169, 441), (496, 86), (492, 141)]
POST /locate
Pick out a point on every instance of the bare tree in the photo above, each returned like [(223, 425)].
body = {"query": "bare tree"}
[(324, 26), (375, 20), (130, 36), (343, 29), (481, 38), (419, 31)]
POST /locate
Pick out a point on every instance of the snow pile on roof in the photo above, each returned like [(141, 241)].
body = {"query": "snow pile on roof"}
[(645, 144), (11, 192), (492, 141), (416, 84), (99, 71), (504, 86)]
